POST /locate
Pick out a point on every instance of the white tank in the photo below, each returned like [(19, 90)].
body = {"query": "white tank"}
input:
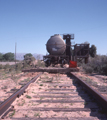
[(56, 45)]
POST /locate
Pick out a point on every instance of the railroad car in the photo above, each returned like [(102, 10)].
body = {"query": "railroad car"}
[(60, 51)]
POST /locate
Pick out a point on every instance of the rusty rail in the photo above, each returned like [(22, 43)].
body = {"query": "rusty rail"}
[(6, 104), (99, 98)]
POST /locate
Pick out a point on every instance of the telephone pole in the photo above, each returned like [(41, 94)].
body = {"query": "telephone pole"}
[(15, 52)]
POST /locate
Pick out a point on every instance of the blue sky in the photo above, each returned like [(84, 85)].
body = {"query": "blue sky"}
[(30, 23)]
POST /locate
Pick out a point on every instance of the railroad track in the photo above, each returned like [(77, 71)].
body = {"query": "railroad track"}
[(7, 103), (55, 97)]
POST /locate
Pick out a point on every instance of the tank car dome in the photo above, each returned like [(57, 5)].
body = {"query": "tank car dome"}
[(56, 45)]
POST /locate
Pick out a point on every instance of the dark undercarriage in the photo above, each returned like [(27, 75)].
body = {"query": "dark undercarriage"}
[(56, 59)]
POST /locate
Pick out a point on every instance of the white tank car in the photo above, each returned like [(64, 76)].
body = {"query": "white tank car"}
[(56, 45)]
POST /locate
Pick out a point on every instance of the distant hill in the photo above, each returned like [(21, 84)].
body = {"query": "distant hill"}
[(20, 56)]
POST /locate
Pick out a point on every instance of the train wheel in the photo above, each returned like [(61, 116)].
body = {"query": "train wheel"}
[(46, 65), (53, 65), (61, 65)]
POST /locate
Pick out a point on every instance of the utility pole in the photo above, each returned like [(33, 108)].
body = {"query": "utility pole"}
[(15, 52)]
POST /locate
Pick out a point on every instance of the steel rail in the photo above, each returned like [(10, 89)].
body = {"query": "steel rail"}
[(6, 104), (99, 98)]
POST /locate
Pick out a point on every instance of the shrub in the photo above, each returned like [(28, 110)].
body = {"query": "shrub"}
[(7, 66), (28, 62), (97, 64), (28, 55), (26, 65), (27, 96), (88, 69), (40, 63), (1, 66), (12, 68), (19, 66)]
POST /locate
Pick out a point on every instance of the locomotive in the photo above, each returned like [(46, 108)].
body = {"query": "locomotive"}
[(60, 51)]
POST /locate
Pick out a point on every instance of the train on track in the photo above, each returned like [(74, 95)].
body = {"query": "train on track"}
[(62, 52)]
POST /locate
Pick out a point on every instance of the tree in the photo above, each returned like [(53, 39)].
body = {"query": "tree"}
[(27, 55), (1, 56), (93, 51), (8, 56)]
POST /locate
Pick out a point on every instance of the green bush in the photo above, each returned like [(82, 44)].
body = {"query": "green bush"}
[(98, 64), (19, 66), (26, 65), (88, 69), (40, 63), (27, 55), (28, 62), (1, 66)]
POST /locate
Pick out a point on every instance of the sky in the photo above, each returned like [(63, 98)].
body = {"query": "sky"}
[(30, 23)]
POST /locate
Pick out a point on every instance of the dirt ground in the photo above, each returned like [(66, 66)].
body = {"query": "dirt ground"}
[(10, 82), (10, 63)]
